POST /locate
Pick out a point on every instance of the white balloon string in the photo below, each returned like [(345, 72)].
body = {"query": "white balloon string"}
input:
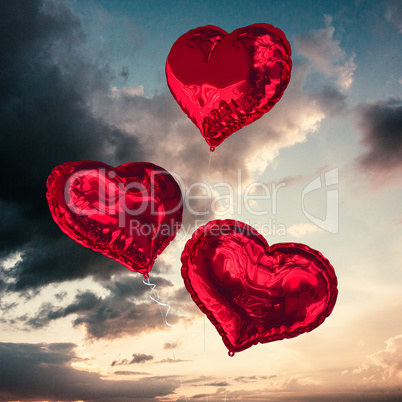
[(181, 382), (227, 381), (164, 317), (156, 300), (205, 361), (203, 321), (205, 348), (207, 183), (209, 164)]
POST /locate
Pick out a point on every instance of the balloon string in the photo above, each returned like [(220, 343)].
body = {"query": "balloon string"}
[(205, 203), (205, 348), (203, 318), (164, 317), (227, 381), (181, 382), (156, 300), (205, 361)]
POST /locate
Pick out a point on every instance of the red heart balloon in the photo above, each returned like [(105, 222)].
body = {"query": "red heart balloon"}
[(225, 81), (129, 213), (253, 292)]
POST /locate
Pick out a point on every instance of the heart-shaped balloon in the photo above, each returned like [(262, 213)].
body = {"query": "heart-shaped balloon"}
[(129, 213), (225, 81), (252, 292)]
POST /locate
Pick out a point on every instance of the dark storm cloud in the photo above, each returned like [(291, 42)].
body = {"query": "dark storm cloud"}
[(135, 359), (381, 127), (46, 260), (331, 100), (57, 105), (47, 81), (126, 310), (44, 372)]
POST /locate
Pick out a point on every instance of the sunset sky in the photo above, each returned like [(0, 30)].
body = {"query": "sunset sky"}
[(85, 80)]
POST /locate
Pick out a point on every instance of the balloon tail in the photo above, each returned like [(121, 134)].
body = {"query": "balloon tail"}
[(154, 296)]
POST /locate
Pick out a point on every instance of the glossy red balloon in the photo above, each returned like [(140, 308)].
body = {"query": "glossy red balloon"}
[(129, 213), (252, 292), (225, 81)]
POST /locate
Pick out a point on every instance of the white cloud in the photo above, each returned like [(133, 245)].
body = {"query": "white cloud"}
[(169, 138), (302, 229), (130, 91), (10, 262), (385, 366), (345, 73), (326, 54), (288, 123)]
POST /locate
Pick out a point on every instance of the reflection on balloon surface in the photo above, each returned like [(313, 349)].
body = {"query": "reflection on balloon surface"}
[(129, 213), (253, 292), (225, 81)]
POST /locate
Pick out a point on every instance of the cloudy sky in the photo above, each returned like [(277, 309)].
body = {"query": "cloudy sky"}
[(84, 80)]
